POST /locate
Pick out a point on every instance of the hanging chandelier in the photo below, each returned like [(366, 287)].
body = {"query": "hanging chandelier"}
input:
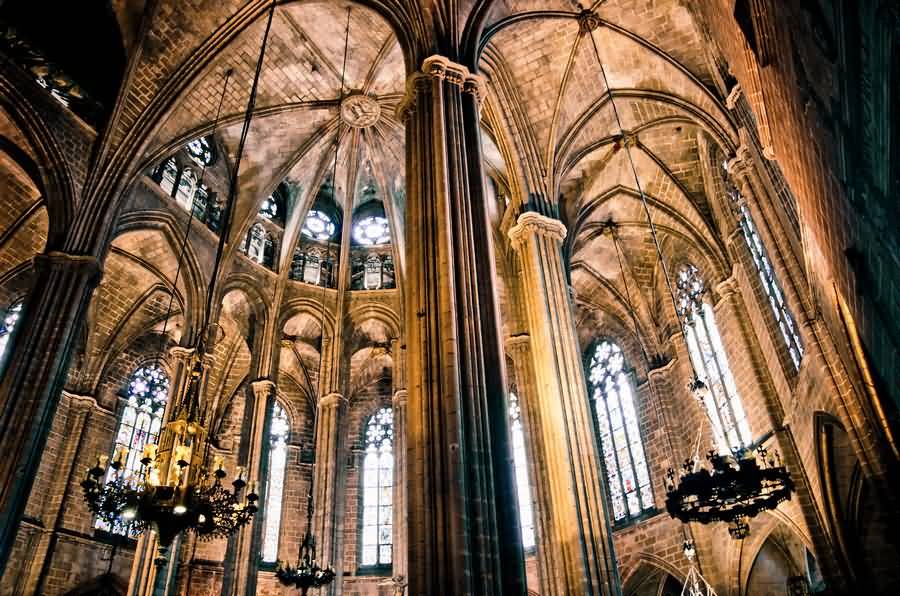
[(694, 583), (741, 484), (174, 490)]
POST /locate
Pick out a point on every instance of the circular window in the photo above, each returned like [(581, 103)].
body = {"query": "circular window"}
[(201, 151), (372, 230), (318, 226)]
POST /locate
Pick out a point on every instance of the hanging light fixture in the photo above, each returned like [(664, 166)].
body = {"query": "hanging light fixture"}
[(736, 486), (174, 490), (694, 583), (307, 573)]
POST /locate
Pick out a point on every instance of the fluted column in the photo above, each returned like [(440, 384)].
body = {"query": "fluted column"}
[(246, 544), (35, 371), (326, 477), (464, 535), (579, 541), (398, 556), (144, 565)]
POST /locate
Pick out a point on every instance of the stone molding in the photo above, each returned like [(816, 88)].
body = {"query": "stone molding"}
[(588, 20), (535, 223), (182, 353), (86, 265), (332, 400), (400, 397), (522, 341), (733, 97), (81, 402), (441, 68), (263, 387)]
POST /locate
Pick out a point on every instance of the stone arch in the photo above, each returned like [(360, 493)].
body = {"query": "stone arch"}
[(650, 577)]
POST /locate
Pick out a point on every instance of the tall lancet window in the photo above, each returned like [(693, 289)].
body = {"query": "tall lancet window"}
[(771, 287), (279, 430), (378, 490), (711, 362), (8, 324), (520, 461), (142, 418), (620, 435)]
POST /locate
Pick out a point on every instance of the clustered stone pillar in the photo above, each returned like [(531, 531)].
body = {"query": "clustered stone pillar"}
[(463, 534), (32, 381), (573, 513), (326, 477)]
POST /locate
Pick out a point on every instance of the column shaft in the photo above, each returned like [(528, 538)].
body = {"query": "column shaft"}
[(464, 534), (580, 539), (31, 384), (326, 477)]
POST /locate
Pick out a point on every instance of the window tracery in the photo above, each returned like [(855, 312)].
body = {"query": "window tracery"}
[(8, 324), (520, 462), (378, 490), (201, 151), (613, 402), (707, 353), (168, 176), (186, 186), (142, 418), (318, 225), (279, 431), (260, 246), (372, 230)]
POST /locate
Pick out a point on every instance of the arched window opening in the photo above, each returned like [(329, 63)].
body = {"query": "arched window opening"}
[(8, 324), (771, 287), (145, 406), (378, 490), (312, 267), (520, 462), (279, 430), (723, 404), (372, 280), (272, 209), (620, 437), (260, 246), (186, 186), (169, 176), (201, 202), (201, 150), (318, 225)]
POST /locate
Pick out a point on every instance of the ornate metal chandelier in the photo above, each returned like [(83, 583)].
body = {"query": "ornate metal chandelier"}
[(694, 583), (739, 485), (307, 573)]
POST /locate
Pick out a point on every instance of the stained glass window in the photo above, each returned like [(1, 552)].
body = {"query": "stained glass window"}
[(372, 279), (312, 267), (318, 225), (279, 430), (269, 208), (620, 437), (169, 176), (186, 186), (771, 287), (378, 490), (147, 392), (8, 324), (710, 361), (372, 230), (260, 246), (201, 151), (201, 201), (520, 461)]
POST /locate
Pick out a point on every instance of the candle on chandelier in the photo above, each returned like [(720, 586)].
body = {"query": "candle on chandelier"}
[(150, 451)]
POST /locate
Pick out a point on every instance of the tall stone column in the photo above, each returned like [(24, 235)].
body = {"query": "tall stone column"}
[(400, 537), (326, 478), (36, 369), (575, 516), (464, 535), (246, 544)]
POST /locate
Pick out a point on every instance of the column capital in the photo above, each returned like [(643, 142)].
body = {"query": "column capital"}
[(263, 387), (535, 223), (518, 343), (332, 400), (733, 97), (86, 265), (80, 402), (441, 68), (399, 399), (182, 353)]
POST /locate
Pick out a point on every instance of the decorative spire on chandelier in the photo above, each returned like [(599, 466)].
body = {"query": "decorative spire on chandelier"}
[(738, 485), (175, 490)]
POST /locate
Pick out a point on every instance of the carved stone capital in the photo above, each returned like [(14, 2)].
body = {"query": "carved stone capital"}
[(182, 353), (518, 343), (400, 397), (443, 69), (263, 388), (332, 400), (86, 265), (534, 223)]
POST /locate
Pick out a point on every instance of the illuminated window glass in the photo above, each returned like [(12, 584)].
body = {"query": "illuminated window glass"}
[(312, 268), (201, 202), (169, 175), (148, 390), (372, 230), (318, 226), (186, 186), (711, 362), (372, 279), (201, 151), (771, 287), (269, 208), (520, 461), (260, 246), (8, 324), (378, 490), (278, 437), (620, 437)]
